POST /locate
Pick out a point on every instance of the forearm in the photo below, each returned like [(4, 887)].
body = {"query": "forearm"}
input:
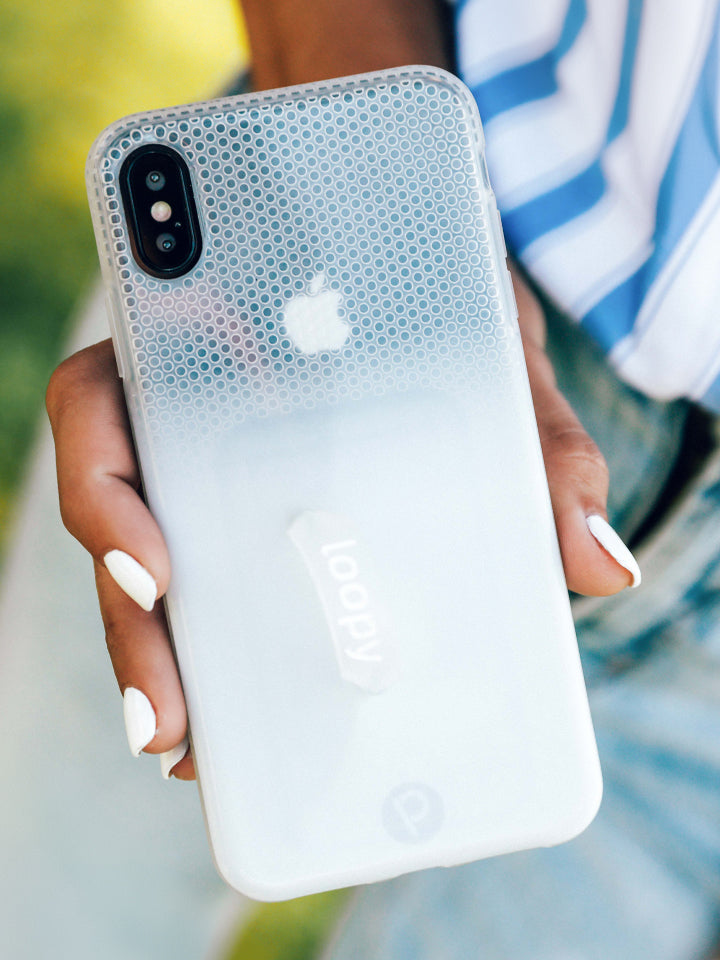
[(298, 41)]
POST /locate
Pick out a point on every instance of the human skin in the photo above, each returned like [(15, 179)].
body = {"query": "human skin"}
[(98, 478)]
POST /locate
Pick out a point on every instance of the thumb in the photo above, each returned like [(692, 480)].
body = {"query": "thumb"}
[(595, 560)]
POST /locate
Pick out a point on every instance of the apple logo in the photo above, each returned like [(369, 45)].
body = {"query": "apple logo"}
[(313, 322)]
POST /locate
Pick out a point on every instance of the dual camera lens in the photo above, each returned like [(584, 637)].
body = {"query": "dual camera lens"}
[(157, 194), (160, 211)]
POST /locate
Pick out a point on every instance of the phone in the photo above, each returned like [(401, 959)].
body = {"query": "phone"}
[(317, 335)]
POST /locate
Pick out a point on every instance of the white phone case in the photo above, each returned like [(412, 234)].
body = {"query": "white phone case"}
[(335, 430)]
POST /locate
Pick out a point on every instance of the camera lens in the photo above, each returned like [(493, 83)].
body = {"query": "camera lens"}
[(155, 180), (165, 242)]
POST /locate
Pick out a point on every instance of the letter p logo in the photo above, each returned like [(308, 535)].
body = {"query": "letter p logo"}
[(412, 812)]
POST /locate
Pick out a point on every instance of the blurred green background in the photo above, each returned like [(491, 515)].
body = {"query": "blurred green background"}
[(66, 71)]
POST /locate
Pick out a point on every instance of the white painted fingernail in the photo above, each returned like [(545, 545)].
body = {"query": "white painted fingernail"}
[(131, 577), (170, 759), (140, 720), (610, 541)]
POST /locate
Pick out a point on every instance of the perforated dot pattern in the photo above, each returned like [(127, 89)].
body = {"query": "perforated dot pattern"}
[(348, 249)]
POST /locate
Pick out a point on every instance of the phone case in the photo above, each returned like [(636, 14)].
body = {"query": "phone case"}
[(335, 431)]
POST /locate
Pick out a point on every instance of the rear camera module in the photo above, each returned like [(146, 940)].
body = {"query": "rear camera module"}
[(146, 171)]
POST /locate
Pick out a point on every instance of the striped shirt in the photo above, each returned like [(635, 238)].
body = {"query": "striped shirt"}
[(601, 120)]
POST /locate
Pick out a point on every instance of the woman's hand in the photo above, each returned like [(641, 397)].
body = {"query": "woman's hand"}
[(100, 503), (98, 477), (595, 560), (101, 506)]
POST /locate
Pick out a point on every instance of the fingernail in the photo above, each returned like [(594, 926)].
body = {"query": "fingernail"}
[(610, 541), (170, 759), (131, 577), (140, 721)]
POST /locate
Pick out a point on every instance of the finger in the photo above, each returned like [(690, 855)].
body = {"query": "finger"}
[(185, 769), (595, 560), (144, 665), (98, 478)]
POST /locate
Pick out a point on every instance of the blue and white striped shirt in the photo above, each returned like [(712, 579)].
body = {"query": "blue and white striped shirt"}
[(601, 119)]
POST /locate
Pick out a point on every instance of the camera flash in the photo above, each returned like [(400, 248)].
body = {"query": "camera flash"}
[(161, 211)]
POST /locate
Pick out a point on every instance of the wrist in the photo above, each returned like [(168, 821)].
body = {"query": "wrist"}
[(320, 39)]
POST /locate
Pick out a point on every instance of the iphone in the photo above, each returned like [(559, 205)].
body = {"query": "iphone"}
[(316, 331)]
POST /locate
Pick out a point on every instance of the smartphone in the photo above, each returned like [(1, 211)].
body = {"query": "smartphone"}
[(318, 340)]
